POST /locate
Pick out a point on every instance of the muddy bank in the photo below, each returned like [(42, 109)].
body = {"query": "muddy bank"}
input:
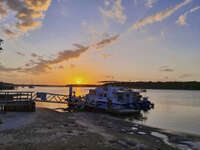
[(51, 130), (13, 120)]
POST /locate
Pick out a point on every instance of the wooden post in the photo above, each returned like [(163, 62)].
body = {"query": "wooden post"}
[(70, 92)]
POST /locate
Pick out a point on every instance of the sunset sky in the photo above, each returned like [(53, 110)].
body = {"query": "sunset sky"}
[(86, 41)]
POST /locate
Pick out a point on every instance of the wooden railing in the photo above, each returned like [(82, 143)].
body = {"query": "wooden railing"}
[(17, 101), (16, 96), (50, 97)]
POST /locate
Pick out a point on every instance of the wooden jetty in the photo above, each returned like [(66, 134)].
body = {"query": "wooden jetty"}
[(24, 101), (17, 101)]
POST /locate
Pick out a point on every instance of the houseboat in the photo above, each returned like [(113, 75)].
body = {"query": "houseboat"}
[(117, 100)]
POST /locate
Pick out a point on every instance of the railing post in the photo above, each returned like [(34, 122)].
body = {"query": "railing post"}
[(70, 92)]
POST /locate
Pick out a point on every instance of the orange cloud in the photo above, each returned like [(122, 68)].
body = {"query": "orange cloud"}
[(38, 5), (29, 14)]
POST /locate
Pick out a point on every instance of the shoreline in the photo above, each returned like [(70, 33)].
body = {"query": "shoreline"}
[(49, 129)]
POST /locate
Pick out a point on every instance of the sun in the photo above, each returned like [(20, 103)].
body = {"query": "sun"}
[(78, 81)]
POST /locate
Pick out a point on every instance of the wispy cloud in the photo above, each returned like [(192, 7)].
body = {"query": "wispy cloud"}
[(20, 53), (42, 65), (109, 77), (9, 33), (150, 3), (105, 55), (166, 69), (114, 10), (28, 16), (101, 44), (8, 69), (72, 66), (186, 75), (35, 55), (159, 16), (182, 19), (3, 11)]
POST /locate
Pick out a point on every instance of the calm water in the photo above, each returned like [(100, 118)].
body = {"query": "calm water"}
[(177, 110)]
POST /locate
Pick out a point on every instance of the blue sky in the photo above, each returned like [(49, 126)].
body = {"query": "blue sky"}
[(114, 40)]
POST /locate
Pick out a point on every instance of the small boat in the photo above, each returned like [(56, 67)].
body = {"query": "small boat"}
[(118, 100)]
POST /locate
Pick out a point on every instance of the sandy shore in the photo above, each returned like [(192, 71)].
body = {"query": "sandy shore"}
[(49, 130)]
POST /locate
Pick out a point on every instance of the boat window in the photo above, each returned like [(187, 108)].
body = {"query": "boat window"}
[(120, 97), (105, 95)]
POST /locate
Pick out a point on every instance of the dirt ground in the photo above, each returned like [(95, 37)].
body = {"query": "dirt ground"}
[(52, 130)]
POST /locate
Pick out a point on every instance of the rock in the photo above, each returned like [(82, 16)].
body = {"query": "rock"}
[(134, 128), (131, 143), (82, 146), (141, 133), (81, 133), (49, 127), (123, 130), (131, 133), (65, 125), (69, 131), (141, 147), (112, 141)]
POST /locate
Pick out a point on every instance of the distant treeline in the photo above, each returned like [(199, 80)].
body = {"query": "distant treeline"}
[(6, 86), (193, 85)]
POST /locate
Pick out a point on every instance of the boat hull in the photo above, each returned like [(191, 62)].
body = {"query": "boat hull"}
[(113, 111)]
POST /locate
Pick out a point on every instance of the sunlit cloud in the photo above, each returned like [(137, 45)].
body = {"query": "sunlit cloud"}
[(158, 17), (38, 5), (182, 19), (114, 10), (42, 65), (29, 14)]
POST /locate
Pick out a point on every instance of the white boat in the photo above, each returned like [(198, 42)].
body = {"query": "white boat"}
[(117, 100)]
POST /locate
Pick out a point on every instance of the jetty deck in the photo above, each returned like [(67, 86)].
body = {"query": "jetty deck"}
[(17, 101)]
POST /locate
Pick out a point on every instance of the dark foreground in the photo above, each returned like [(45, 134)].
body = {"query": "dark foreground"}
[(50, 130)]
